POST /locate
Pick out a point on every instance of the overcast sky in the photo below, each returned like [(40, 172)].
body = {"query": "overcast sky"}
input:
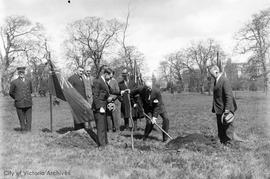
[(157, 27)]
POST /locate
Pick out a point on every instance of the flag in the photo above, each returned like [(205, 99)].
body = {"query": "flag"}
[(80, 108), (54, 85)]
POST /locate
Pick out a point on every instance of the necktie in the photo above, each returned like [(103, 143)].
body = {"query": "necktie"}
[(149, 94)]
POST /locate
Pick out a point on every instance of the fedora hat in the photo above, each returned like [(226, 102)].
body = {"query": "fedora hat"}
[(21, 69), (227, 118)]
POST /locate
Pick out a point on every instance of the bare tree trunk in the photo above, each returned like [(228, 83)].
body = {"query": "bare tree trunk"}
[(5, 82)]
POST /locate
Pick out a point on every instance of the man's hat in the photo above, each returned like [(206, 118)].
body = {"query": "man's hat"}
[(21, 69), (124, 72), (227, 118)]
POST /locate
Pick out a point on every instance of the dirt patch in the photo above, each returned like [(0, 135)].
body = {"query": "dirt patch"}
[(72, 139), (193, 141)]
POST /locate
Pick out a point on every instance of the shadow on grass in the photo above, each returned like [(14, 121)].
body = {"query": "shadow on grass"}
[(17, 129), (65, 130), (122, 128), (140, 136)]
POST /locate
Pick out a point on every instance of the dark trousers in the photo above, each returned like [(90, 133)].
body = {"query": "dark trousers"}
[(101, 124), (126, 120), (25, 118), (165, 125), (78, 126), (225, 132)]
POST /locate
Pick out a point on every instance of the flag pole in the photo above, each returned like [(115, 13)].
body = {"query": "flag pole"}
[(51, 116)]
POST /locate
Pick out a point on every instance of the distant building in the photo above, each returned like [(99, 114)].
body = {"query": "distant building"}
[(235, 70)]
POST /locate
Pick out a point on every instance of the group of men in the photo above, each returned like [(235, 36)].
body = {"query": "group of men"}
[(109, 98)]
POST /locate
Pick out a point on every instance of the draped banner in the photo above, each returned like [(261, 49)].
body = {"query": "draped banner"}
[(80, 108)]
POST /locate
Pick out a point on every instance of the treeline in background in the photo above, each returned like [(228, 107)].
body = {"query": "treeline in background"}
[(95, 42)]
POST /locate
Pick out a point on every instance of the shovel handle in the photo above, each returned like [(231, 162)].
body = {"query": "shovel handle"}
[(158, 126)]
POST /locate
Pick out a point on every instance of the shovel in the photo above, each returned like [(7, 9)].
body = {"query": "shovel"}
[(157, 126)]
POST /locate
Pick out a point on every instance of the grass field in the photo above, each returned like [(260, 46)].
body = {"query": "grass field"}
[(37, 152)]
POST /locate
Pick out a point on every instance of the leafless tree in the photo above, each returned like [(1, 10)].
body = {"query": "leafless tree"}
[(254, 38), (90, 38), (203, 54), (128, 53), (36, 52), (15, 33), (164, 69)]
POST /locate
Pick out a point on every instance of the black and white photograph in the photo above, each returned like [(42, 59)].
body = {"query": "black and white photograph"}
[(135, 89)]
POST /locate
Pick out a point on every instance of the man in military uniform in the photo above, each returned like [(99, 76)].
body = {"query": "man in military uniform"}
[(20, 91)]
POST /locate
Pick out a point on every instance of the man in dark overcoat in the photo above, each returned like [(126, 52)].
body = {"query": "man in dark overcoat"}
[(77, 81), (223, 103), (20, 91), (124, 85), (153, 106), (101, 94)]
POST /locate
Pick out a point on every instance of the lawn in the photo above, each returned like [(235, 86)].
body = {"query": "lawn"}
[(42, 154)]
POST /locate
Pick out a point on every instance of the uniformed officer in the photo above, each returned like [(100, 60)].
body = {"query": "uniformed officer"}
[(20, 91)]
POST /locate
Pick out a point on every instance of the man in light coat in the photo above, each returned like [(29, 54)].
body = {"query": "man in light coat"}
[(114, 116), (88, 84)]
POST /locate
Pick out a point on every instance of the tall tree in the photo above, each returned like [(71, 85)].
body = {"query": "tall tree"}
[(176, 66), (203, 54), (254, 38), (90, 38), (164, 69), (15, 34)]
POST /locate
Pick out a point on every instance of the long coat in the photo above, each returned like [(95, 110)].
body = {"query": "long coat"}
[(125, 108), (88, 83), (114, 87), (78, 84), (151, 100), (101, 93), (223, 97), (21, 92)]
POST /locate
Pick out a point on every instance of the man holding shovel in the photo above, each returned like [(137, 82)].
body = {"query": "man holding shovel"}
[(153, 107)]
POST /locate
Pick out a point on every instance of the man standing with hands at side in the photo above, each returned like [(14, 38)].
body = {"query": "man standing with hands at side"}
[(224, 106), (20, 91), (101, 93), (88, 83)]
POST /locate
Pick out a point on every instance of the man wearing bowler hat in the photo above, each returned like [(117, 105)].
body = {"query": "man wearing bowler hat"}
[(20, 91)]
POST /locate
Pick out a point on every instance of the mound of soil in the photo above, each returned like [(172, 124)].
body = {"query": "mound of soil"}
[(192, 141), (80, 139)]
